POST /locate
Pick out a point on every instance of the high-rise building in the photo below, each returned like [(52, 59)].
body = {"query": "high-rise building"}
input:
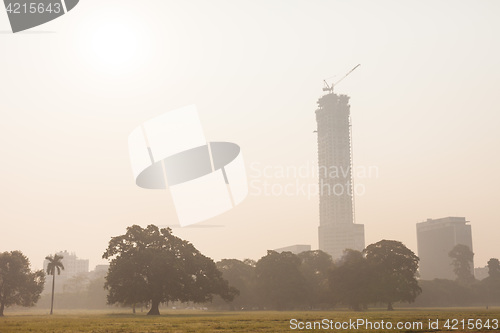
[(73, 266), (435, 239), (337, 230)]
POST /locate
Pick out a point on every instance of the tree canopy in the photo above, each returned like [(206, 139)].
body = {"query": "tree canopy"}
[(394, 268), (494, 268), (241, 275), (462, 260), (315, 267), (18, 284), (153, 266), (55, 264), (350, 280), (490, 286), (385, 272), (280, 283)]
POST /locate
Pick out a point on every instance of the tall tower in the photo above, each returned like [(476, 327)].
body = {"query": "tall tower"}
[(337, 230)]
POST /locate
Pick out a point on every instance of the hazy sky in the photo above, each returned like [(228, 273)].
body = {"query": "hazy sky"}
[(424, 105)]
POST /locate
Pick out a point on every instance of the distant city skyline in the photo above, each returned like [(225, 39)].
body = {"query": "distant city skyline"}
[(424, 105), (73, 266)]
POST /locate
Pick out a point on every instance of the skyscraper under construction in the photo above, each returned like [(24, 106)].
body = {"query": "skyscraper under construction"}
[(337, 230)]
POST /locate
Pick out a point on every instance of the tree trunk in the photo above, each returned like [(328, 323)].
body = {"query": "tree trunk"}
[(154, 311), (133, 309), (2, 307), (389, 307), (53, 285)]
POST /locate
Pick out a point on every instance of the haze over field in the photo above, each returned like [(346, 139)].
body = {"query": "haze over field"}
[(424, 107)]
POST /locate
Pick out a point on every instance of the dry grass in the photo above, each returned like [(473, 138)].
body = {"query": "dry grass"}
[(201, 322)]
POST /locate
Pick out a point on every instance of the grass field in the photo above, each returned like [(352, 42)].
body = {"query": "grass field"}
[(189, 321)]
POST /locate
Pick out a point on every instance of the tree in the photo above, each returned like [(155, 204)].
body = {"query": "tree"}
[(280, 283), (494, 268), (96, 294), (445, 293), (18, 284), (490, 286), (462, 259), (55, 264), (77, 284), (350, 280), (394, 268), (154, 266), (315, 267), (241, 275)]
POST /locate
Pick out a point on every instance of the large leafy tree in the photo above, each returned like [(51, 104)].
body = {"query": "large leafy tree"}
[(316, 266), (153, 266), (350, 280), (462, 260), (494, 268), (241, 275), (280, 283), (490, 286), (394, 268), (55, 265), (18, 284)]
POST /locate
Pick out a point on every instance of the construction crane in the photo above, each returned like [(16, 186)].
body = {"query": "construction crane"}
[(329, 88)]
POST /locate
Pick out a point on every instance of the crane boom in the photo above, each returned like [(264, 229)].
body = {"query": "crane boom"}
[(352, 70), (329, 88)]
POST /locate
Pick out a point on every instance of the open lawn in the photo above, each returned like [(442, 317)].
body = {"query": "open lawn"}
[(198, 321)]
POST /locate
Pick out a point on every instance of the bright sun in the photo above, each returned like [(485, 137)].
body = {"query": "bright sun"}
[(114, 41)]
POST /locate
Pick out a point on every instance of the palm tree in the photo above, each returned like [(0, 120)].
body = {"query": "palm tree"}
[(55, 263)]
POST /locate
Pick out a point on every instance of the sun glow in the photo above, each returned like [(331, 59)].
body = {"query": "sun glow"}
[(114, 40)]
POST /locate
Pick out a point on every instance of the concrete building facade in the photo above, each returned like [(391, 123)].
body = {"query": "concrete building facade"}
[(435, 239), (337, 230), (73, 266)]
